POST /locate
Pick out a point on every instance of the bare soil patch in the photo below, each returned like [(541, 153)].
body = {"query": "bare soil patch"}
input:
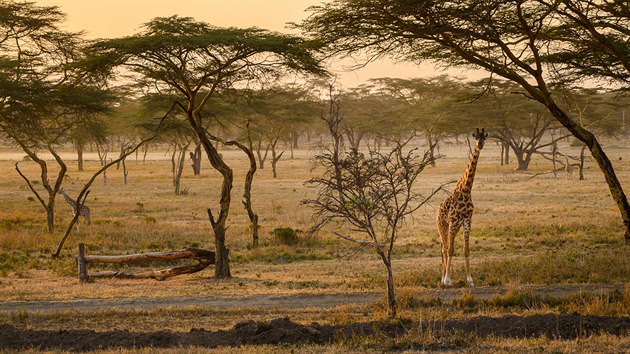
[(285, 331)]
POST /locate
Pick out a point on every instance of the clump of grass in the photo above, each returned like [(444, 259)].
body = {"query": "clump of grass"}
[(614, 303), (286, 235), (18, 222), (9, 262), (281, 254), (467, 302), (425, 276), (517, 299), (555, 267), (413, 300), (425, 337)]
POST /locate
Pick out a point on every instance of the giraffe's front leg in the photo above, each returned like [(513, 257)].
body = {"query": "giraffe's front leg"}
[(452, 231), (444, 259), (469, 279)]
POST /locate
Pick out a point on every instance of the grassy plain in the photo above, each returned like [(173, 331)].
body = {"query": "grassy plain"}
[(526, 231)]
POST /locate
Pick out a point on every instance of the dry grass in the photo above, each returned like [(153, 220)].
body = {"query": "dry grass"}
[(542, 230)]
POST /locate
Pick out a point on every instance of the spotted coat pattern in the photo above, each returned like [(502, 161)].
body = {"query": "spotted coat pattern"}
[(455, 212), (83, 211)]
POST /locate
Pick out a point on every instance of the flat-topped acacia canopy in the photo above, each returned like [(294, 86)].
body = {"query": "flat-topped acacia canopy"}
[(192, 60)]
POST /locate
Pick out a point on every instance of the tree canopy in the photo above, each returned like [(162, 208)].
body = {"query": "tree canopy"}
[(194, 60), (525, 41)]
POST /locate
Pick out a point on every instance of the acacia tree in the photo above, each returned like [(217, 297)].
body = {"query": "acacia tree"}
[(428, 105), (40, 99), (524, 41), (269, 115), (593, 36), (370, 113), (518, 123), (372, 192), (197, 60)]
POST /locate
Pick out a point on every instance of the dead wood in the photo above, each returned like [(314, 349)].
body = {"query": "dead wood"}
[(204, 258)]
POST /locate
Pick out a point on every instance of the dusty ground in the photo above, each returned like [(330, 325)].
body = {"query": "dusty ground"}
[(284, 331), (288, 301)]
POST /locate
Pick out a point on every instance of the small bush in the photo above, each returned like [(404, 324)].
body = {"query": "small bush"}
[(286, 235), (517, 299)]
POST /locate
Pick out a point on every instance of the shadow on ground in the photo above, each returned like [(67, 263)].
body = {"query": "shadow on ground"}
[(284, 331)]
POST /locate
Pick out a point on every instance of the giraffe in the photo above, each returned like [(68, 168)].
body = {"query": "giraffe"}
[(568, 168), (84, 211), (456, 212)]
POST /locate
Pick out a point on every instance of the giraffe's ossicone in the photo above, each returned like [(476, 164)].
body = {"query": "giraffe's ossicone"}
[(456, 211)]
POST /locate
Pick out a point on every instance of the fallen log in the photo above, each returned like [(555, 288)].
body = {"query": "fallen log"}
[(204, 258)]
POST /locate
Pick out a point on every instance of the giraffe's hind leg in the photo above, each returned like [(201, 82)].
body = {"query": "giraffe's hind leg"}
[(466, 227), (77, 224)]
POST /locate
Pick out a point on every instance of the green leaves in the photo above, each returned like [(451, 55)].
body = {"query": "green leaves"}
[(186, 55)]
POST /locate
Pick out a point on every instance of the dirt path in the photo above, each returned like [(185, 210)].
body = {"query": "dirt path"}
[(286, 301), (258, 300)]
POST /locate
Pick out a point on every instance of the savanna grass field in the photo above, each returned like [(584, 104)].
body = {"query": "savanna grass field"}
[(540, 245)]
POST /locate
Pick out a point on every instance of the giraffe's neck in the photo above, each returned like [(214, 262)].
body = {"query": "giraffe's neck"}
[(68, 199), (466, 181)]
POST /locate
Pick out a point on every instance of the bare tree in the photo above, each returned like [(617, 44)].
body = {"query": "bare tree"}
[(373, 193), (539, 45)]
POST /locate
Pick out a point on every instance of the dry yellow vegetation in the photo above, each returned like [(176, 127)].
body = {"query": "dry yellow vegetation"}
[(527, 232)]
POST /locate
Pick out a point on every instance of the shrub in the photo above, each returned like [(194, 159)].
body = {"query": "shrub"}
[(286, 235)]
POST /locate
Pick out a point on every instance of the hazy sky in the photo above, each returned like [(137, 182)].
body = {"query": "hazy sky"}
[(116, 18)]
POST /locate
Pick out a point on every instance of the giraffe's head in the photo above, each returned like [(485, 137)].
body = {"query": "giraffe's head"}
[(480, 136)]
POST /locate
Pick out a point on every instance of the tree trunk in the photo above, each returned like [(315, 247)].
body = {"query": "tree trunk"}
[(261, 157), (247, 189), (178, 169), (222, 263), (122, 152), (274, 160), (391, 294), (582, 162), (196, 160), (506, 158), (523, 158), (49, 205), (104, 177), (432, 146), (554, 152), (125, 171), (222, 268), (523, 165), (247, 195), (294, 137), (145, 151), (291, 149), (50, 219), (616, 190), (80, 157)]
